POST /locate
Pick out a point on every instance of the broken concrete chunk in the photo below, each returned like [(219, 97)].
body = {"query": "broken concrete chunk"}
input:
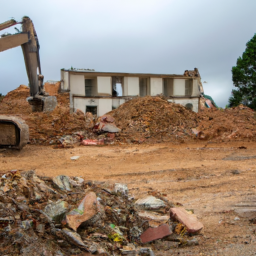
[(88, 208), (41, 185), (62, 182), (146, 252), (153, 216), (37, 194), (44, 188), (122, 188), (150, 203), (40, 228), (26, 224), (188, 220), (69, 140), (76, 181), (106, 123), (56, 211), (152, 234), (74, 238), (107, 119), (107, 127)]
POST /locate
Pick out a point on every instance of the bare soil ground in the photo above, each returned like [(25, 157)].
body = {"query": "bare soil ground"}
[(200, 176)]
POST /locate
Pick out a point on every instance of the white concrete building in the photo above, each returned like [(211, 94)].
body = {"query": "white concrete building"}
[(101, 92)]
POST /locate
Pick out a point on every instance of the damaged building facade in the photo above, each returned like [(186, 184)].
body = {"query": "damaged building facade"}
[(101, 92)]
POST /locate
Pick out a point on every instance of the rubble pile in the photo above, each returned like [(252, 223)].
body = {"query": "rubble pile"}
[(140, 120), (227, 124), (153, 119), (15, 102), (52, 87), (44, 128), (68, 216), (48, 128)]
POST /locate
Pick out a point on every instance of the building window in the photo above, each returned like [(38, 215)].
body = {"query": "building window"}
[(143, 87), (188, 87), (168, 87), (189, 106), (88, 87), (91, 109), (117, 86)]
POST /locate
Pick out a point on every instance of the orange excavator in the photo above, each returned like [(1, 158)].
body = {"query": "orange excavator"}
[(14, 133)]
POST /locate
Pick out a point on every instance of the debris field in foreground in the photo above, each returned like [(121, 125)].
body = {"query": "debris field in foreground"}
[(70, 216)]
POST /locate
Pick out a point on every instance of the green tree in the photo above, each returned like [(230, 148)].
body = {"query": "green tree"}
[(1, 97), (236, 98), (244, 77)]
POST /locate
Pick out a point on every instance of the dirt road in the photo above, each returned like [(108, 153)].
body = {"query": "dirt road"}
[(216, 180)]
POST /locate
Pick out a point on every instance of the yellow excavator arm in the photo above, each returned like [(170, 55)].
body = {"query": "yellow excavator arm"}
[(14, 133), (29, 43)]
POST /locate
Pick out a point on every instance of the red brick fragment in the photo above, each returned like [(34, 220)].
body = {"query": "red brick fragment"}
[(188, 220), (152, 234)]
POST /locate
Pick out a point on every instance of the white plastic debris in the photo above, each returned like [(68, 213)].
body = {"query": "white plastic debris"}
[(122, 188), (74, 157)]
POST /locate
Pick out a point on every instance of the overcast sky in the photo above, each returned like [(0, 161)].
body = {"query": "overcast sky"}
[(142, 36)]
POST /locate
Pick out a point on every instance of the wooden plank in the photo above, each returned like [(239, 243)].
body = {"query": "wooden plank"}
[(12, 41)]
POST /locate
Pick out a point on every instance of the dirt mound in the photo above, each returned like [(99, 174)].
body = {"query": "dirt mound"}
[(52, 88), (154, 119), (141, 120), (1, 97), (15, 102), (43, 127), (227, 124), (47, 128)]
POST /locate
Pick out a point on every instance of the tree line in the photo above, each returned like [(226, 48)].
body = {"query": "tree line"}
[(244, 77)]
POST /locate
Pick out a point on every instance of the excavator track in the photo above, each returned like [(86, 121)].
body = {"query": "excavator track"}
[(14, 132)]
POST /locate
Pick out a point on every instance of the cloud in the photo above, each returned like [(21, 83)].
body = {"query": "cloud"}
[(154, 36)]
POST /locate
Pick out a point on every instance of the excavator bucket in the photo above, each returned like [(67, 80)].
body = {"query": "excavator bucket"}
[(14, 132), (43, 103)]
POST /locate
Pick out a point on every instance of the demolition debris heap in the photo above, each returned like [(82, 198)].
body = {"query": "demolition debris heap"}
[(67, 216), (227, 124), (43, 126), (140, 120), (154, 119)]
